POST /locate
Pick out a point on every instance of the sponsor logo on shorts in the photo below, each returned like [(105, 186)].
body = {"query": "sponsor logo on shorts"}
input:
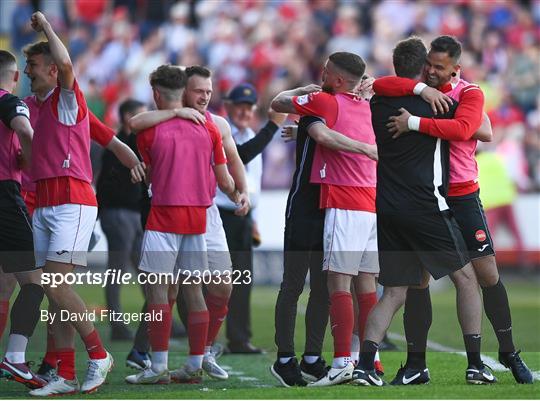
[(61, 252), (480, 235), (483, 248)]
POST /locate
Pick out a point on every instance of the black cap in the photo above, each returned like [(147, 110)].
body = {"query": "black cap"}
[(243, 93)]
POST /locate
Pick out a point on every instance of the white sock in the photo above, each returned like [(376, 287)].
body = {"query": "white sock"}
[(207, 350), (310, 358), (341, 362), (285, 360), (194, 362), (377, 356), (16, 348), (355, 348), (160, 361)]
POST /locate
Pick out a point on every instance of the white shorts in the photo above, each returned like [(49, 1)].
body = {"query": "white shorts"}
[(219, 258), (350, 242), (62, 233), (170, 253)]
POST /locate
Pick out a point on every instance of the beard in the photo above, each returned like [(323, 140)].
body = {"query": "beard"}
[(327, 88)]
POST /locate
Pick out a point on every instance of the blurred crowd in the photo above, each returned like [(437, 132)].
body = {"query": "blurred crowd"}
[(276, 45)]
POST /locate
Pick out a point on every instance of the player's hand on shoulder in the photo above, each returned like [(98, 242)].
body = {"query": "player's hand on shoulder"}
[(440, 103), (276, 117), (364, 89), (243, 204), (399, 124), (187, 113), (38, 21)]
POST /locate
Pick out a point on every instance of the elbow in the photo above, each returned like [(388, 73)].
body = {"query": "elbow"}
[(227, 185), (64, 65), (276, 105), (132, 124), (27, 133)]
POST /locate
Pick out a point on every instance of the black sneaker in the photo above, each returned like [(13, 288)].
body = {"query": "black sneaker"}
[(313, 371), (138, 360), (46, 371), (513, 361), (408, 376), (362, 377), (288, 373), (482, 375)]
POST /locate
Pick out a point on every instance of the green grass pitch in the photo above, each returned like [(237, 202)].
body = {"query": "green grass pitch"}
[(251, 379)]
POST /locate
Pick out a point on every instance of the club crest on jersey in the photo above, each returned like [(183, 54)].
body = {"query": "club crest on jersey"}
[(480, 235), (301, 100)]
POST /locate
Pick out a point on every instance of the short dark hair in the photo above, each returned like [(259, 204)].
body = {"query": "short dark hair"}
[(128, 106), (198, 70), (7, 59), (34, 49), (169, 77), (447, 44), (409, 57), (349, 62), (168, 80)]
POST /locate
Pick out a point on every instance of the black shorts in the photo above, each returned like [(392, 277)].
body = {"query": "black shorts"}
[(469, 214), (16, 242), (408, 244)]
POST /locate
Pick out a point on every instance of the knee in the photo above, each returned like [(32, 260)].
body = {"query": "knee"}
[(464, 277), (488, 279), (221, 290), (54, 294), (396, 295), (365, 283)]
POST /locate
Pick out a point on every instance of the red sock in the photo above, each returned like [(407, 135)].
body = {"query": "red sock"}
[(94, 347), (160, 331), (50, 357), (4, 313), (66, 363), (217, 311), (366, 302), (342, 322), (197, 331)]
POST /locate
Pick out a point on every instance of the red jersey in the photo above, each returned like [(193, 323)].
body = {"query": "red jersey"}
[(324, 105), (179, 219)]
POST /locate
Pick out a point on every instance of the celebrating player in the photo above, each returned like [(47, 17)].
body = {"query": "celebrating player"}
[(182, 189), (65, 213), (442, 71), (348, 195)]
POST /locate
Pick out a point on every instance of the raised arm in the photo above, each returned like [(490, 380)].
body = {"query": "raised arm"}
[(400, 86), (283, 102), (59, 52), (465, 122), (334, 140)]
